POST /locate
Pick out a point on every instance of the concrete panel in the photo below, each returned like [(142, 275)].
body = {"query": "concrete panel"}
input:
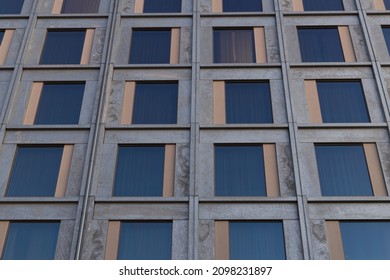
[(180, 240), (248, 21), (319, 241), (150, 74), (64, 241), (384, 157), (107, 171), (292, 239), (343, 135), (46, 137), (359, 43), (127, 6), (147, 137), (76, 170), (7, 154), (14, 48), (87, 107), (42, 211), (95, 240), (272, 44), (205, 101), (349, 211), (141, 211), (286, 170), (248, 211), (373, 101), (182, 170), (278, 102), (205, 170), (244, 136), (205, 6), (206, 239), (309, 172)]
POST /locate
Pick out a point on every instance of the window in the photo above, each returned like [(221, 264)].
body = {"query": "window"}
[(151, 46), (249, 240), (145, 241), (343, 170), (31, 241), (248, 102), (321, 5), (80, 6), (1, 36), (60, 104), (155, 103), (387, 4), (320, 45), (11, 7), (162, 6), (144, 171), (342, 102), (63, 47), (242, 6), (239, 171), (364, 240), (386, 34), (234, 46)]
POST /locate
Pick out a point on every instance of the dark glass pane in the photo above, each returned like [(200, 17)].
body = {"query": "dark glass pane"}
[(239, 171), (11, 6), (35, 171), (162, 6), (31, 241), (139, 171), (386, 34), (343, 170), (80, 6), (248, 102), (234, 46), (1, 36), (242, 6), (63, 47), (150, 46), (256, 241), (321, 5), (320, 45), (387, 4), (60, 104), (366, 240), (155, 103), (145, 241), (342, 102)]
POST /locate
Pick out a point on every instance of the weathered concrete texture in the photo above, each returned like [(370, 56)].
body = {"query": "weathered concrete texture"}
[(180, 240), (319, 241), (46, 137), (351, 211), (285, 170), (182, 170), (293, 243), (206, 239), (147, 137), (40, 211), (76, 170), (64, 240), (7, 153), (375, 24), (384, 157), (95, 240), (309, 171)]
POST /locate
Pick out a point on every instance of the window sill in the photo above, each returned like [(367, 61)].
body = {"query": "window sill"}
[(62, 66), (142, 199), (72, 16), (239, 14), (240, 65), (149, 127), (154, 15), (48, 127), (40, 200), (321, 13), (352, 199), (341, 125), (328, 64), (245, 126), (152, 66), (246, 199)]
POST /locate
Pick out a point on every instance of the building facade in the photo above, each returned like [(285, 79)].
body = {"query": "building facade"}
[(194, 129)]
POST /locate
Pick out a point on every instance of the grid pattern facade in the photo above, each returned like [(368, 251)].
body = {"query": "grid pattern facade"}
[(196, 59)]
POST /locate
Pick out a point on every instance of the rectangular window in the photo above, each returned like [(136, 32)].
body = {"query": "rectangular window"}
[(58, 103), (386, 34), (144, 171), (150, 103), (246, 170), (387, 4), (342, 102), (162, 6), (80, 6), (249, 240), (234, 46), (248, 102), (321, 5), (31, 240), (343, 170), (1, 36), (242, 6), (40, 171), (11, 7), (158, 46), (363, 240), (320, 44), (63, 47)]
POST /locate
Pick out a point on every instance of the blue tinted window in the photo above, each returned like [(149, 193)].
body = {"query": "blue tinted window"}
[(139, 171), (63, 47), (35, 171), (11, 6), (31, 241), (366, 240), (342, 102), (321, 5), (386, 34), (256, 241), (80, 6), (60, 104), (155, 103), (242, 6), (1, 36), (162, 6), (343, 170), (248, 102), (145, 241), (320, 45), (150, 46), (234, 46), (239, 171), (387, 4)]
